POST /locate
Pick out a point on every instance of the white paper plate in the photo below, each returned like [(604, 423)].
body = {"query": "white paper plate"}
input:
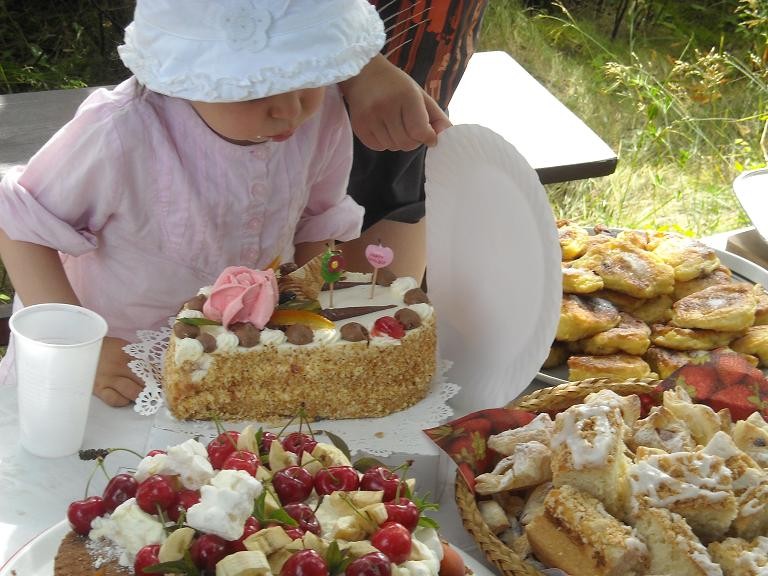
[(493, 264), (751, 189), (742, 267), (36, 557)]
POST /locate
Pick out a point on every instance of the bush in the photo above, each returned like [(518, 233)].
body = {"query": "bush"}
[(49, 44)]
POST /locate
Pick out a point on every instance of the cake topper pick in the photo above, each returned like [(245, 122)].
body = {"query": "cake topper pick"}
[(332, 268), (378, 256)]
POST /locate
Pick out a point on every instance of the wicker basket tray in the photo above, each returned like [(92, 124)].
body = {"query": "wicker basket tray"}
[(547, 399)]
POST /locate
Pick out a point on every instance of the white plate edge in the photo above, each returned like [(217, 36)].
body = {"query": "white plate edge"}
[(41, 564)]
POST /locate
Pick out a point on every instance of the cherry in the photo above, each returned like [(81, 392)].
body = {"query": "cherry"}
[(156, 492), (221, 447), (298, 443), (185, 500), (394, 540), (294, 533), (266, 441), (81, 513), (403, 512), (147, 556), (292, 484), (251, 527), (120, 488), (336, 478), (155, 452), (381, 478), (372, 564), (388, 326), (304, 516), (305, 562), (207, 550), (242, 460)]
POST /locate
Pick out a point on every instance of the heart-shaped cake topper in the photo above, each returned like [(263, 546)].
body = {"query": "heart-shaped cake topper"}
[(379, 256)]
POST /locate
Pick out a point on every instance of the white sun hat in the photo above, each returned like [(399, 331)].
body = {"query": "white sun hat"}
[(235, 50)]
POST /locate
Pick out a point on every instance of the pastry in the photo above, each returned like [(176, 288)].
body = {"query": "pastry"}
[(672, 547), (729, 308), (583, 316), (739, 557), (615, 366), (588, 453), (630, 336), (628, 269), (576, 534)]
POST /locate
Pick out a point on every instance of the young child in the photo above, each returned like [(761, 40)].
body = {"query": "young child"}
[(230, 144)]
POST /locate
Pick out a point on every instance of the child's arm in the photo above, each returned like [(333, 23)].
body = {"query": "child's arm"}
[(389, 110), (36, 272), (38, 276), (305, 251)]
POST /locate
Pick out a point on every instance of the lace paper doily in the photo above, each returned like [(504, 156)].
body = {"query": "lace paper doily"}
[(398, 432)]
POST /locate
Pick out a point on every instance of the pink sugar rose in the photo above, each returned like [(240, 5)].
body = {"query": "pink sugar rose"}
[(243, 295)]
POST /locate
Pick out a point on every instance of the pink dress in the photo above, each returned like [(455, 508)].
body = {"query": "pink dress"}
[(146, 204)]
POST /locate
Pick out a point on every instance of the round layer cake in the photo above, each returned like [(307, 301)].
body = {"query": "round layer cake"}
[(366, 357)]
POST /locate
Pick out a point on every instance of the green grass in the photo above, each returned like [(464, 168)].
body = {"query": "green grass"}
[(683, 115)]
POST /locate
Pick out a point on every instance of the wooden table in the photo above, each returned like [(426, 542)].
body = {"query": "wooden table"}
[(496, 92), (29, 119)]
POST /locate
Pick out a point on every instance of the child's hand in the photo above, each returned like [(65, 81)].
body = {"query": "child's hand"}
[(115, 383), (389, 110)]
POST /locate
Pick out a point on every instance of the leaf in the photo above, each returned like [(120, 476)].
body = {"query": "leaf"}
[(337, 559), (428, 522), (281, 516), (366, 463), (183, 566), (198, 321), (339, 443)]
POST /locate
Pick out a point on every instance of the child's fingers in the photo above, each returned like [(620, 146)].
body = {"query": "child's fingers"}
[(117, 390), (110, 396)]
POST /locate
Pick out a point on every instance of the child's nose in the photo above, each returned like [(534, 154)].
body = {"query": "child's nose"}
[(285, 106)]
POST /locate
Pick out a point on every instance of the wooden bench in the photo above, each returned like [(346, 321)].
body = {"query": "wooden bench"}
[(498, 93)]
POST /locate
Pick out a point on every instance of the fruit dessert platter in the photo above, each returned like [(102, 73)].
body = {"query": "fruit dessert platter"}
[(629, 485), (640, 304), (255, 503)]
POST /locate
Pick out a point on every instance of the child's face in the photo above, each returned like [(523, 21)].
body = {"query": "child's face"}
[(271, 118)]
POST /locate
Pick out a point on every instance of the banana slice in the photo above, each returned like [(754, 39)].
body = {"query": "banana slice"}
[(246, 563), (329, 455), (247, 440), (268, 540), (176, 544), (280, 458)]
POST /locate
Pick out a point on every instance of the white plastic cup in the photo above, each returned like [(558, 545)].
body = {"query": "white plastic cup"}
[(57, 352)]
